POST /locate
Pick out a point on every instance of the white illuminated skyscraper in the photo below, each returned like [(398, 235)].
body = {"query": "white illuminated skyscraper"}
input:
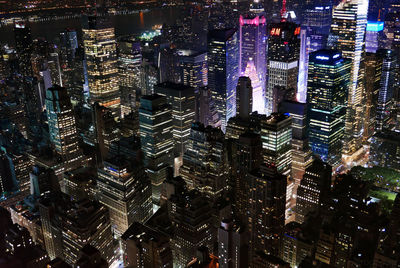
[(101, 59), (349, 21)]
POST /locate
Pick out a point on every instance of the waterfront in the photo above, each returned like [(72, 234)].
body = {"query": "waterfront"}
[(124, 24)]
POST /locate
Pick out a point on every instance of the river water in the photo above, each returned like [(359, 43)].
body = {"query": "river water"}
[(124, 24)]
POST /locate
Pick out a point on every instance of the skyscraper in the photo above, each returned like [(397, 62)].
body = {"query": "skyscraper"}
[(244, 97), (223, 72), (204, 162), (23, 46), (125, 190), (314, 34), (314, 186), (349, 21), (266, 209), (276, 136), (181, 98), (374, 36), (129, 67), (155, 123), (301, 152), (101, 59), (233, 245), (373, 74), (283, 59), (385, 96), (192, 68), (253, 49), (328, 83), (62, 126)]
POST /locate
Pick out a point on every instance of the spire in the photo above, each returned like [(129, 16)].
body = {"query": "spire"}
[(283, 11)]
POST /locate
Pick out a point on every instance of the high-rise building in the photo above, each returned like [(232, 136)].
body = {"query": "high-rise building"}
[(276, 136), (349, 21), (101, 59), (124, 189), (253, 49), (301, 152), (191, 215), (313, 35), (328, 84), (385, 101), (204, 162), (283, 59), (68, 226), (374, 36), (233, 245), (314, 186), (192, 68), (69, 46), (23, 46), (373, 74), (62, 126), (244, 97), (155, 124), (266, 209), (146, 248), (223, 72), (129, 67), (181, 98)]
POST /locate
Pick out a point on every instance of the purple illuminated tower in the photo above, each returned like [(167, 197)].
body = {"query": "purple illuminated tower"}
[(253, 48)]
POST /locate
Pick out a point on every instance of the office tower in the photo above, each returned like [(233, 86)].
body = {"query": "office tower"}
[(252, 59), (266, 209), (155, 124), (204, 162), (247, 157), (8, 181), (314, 186), (301, 151), (23, 47), (276, 136), (17, 239), (68, 226), (181, 98), (283, 59), (223, 72), (62, 126), (328, 84), (190, 214), (233, 245), (54, 67), (192, 68), (244, 97), (205, 108), (106, 130), (43, 181), (146, 248), (124, 189), (149, 77), (373, 74), (349, 21), (81, 183), (69, 46), (129, 67), (297, 243), (313, 35), (385, 101), (374, 36), (16, 113), (101, 59)]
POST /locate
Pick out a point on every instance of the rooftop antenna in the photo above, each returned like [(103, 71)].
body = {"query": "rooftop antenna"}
[(283, 11)]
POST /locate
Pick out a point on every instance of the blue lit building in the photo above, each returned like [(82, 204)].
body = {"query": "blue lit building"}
[(314, 35), (223, 72), (374, 36), (328, 83)]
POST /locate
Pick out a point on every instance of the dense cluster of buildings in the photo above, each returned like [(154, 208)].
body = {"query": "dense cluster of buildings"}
[(242, 135)]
